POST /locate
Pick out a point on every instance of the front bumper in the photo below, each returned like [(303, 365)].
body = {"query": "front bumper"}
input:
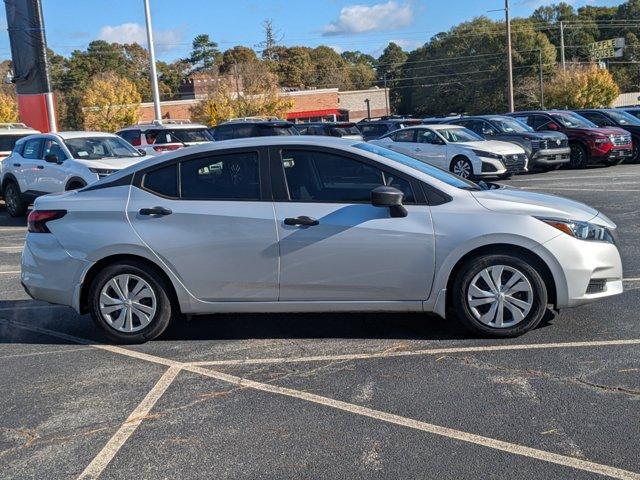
[(49, 273), (584, 271), (556, 156)]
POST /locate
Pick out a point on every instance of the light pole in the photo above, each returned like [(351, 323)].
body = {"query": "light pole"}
[(541, 79), (509, 61), (562, 46), (152, 62)]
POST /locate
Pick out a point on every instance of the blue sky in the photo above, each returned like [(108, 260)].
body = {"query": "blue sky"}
[(345, 25)]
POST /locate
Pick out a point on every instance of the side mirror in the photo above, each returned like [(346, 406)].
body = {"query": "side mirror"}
[(51, 158), (390, 198), (142, 152)]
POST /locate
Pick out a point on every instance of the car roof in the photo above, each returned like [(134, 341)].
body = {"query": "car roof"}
[(159, 126), (438, 126), (81, 134), (15, 128)]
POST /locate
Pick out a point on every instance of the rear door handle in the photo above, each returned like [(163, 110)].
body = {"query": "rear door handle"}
[(40, 167), (303, 221), (160, 211), (17, 164)]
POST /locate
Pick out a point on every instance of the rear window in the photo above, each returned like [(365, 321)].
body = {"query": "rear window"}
[(178, 135), (7, 142), (275, 130), (342, 130)]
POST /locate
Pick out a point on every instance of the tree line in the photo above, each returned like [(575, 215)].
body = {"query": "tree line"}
[(460, 70)]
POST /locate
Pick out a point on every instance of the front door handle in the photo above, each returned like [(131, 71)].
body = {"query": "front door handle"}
[(17, 164), (301, 221), (161, 211), (40, 167)]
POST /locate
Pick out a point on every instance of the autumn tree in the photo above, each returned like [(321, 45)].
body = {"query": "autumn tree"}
[(8, 109), (204, 53), (581, 87), (110, 102)]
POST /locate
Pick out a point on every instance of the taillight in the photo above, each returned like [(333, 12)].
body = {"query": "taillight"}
[(37, 220), (166, 148)]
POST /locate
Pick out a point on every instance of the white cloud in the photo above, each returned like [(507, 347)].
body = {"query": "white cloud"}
[(164, 40), (336, 48), (355, 19), (408, 44)]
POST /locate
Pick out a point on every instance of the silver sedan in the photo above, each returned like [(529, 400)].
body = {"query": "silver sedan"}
[(302, 224)]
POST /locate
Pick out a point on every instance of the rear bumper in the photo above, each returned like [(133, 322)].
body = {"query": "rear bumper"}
[(49, 273), (583, 271)]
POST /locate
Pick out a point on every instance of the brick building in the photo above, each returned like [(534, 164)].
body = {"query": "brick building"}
[(308, 105)]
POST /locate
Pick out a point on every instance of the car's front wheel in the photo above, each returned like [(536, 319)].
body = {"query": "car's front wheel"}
[(15, 205), (462, 167), (579, 156), (499, 295), (130, 302)]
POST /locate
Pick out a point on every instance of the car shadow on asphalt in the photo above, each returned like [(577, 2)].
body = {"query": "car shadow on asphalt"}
[(7, 221), (388, 326)]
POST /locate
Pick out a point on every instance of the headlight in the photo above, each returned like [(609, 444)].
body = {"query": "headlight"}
[(102, 171), (581, 230), (482, 153)]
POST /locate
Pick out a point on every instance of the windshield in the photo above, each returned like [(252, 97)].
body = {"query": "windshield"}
[(275, 130), (456, 135), (511, 125), (432, 171), (94, 148), (7, 142), (342, 130), (623, 118), (573, 120)]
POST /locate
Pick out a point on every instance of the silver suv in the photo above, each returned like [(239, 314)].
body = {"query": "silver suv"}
[(158, 137)]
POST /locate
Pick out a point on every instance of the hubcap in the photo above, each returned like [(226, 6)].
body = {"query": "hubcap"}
[(462, 168), (127, 303), (500, 296)]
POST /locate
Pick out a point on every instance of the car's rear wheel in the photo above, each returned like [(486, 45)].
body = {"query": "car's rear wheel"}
[(499, 295), (15, 205), (462, 167), (130, 302), (579, 156)]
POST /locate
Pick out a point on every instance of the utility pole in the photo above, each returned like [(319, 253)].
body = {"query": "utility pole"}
[(509, 60), (541, 79), (152, 62), (386, 92), (564, 68), (237, 79)]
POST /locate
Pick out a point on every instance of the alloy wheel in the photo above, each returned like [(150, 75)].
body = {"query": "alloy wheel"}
[(462, 168), (500, 296), (127, 303)]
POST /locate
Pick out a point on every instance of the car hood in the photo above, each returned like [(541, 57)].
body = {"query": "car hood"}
[(513, 200), (599, 130), (110, 163), (546, 135), (494, 146)]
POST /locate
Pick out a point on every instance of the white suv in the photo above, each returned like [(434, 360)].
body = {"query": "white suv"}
[(56, 162), (159, 137)]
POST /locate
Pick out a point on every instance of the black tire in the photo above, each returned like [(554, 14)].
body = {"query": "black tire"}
[(164, 308), (460, 160), (635, 156), (75, 186), (15, 205), (579, 157), (462, 311), (614, 162)]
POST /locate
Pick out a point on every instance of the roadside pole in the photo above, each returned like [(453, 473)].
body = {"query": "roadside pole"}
[(509, 60), (152, 62), (541, 79), (562, 46)]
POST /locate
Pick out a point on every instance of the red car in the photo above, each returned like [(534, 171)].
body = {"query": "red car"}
[(589, 143)]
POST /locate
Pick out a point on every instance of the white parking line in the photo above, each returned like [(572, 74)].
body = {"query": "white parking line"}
[(100, 461), (564, 178), (10, 272), (413, 353), (13, 229), (118, 440), (12, 248), (460, 435)]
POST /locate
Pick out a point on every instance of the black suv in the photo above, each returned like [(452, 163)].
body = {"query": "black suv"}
[(374, 128), (545, 150), (347, 130), (252, 127), (616, 117)]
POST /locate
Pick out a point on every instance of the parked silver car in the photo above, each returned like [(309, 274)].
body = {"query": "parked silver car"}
[(303, 224)]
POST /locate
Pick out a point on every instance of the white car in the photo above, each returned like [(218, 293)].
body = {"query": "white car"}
[(312, 224), (458, 150), (56, 162), (156, 137), (10, 133)]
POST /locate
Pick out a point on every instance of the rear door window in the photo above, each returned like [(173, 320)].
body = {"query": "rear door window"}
[(221, 177), (408, 135), (163, 181), (32, 148)]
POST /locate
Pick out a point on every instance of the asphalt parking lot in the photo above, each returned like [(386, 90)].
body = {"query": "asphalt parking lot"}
[(330, 396)]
